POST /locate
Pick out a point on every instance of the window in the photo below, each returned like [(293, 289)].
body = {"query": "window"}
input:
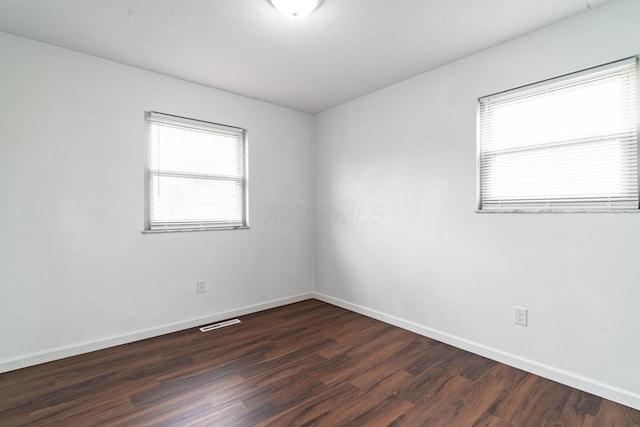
[(566, 144), (196, 175)]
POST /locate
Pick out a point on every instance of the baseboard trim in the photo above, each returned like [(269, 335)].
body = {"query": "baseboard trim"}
[(624, 397), (74, 350)]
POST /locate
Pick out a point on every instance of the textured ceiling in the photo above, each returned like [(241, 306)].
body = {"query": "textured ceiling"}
[(345, 49)]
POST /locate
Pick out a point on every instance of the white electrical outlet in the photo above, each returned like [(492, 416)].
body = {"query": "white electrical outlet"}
[(520, 316), (201, 286)]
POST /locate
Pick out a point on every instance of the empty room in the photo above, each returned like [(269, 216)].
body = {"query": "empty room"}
[(319, 213)]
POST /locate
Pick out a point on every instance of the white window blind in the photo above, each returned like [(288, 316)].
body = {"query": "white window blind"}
[(568, 143), (196, 177)]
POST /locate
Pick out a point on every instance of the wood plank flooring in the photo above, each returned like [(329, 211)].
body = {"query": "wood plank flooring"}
[(305, 364)]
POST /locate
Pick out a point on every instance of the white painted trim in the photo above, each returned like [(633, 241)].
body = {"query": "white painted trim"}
[(571, 379), (86, 347)]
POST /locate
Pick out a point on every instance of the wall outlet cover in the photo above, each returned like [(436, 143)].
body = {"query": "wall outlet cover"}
[(201, 286), (521, 316)]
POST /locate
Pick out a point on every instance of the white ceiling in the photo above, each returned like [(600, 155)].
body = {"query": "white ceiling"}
[(345, 49)]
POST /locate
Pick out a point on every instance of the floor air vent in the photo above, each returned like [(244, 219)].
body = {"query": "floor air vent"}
[(219, 325)]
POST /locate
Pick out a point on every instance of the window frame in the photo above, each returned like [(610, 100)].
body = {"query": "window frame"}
[(555, 81), (148, 227)]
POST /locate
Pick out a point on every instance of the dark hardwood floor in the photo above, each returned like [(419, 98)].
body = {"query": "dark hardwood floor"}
[(307, 364)]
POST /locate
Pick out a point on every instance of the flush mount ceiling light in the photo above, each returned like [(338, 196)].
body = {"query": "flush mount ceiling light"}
[(295, 9)]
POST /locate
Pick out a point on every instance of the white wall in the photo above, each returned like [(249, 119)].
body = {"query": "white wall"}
[(397, 236), (76, 273)]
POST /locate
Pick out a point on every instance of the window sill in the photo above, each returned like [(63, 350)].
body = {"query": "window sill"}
[(558, 211), (183, 230)]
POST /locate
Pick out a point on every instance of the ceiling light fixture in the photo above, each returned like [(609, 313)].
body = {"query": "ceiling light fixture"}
[(295, 9)]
